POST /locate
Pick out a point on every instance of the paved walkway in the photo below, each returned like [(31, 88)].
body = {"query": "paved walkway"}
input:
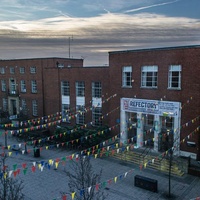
[(49, 183)]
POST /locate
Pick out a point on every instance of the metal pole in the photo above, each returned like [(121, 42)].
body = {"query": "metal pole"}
[(6, 140), (4, 178), (170, 166)]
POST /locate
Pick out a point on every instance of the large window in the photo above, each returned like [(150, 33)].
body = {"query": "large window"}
[(80, 114), (127, 76), (2, 70), (66, 112), (33, 70), (12, 70), (96, 89), (5, 104), (3, 85), (33, 86), (97, 116), (23, 86), (174, 79), (24, 108), (149, 76), (80, 89), (22, 70), (35, 107), (65, 89)]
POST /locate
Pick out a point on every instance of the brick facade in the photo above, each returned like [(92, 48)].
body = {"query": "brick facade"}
[(51, 71)]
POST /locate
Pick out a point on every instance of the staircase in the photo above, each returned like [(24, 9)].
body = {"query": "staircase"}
[(146, 160)]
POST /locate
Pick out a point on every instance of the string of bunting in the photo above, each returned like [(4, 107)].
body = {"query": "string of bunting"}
[(95, 152), (97, 186), (51, 117), (42, 140)]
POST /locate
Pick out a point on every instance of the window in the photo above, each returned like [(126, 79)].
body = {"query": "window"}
[(33, 86), (149, 76), (66, 112), (13, 86), (22, 70), (23, 86), (2, 70), (96, 89), (35, 108), (32, 70), (24, 107), (80, 116), (127, 76), (149, 120), (97, 116), (3, 85), (174, 81), (167, 122), (5, 104), (12, 70), (80, 89), (65, 89)]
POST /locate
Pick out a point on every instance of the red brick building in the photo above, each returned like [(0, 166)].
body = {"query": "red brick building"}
[(159, 89), (157, 92)]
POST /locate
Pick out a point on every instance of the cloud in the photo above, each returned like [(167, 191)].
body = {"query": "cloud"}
[(93, 36)]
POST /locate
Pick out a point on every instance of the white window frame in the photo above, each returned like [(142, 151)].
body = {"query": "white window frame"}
[(32, 69), (33, 86), (96, 89), (127, 76), (35, 107), (80, 114), (5, 104), (80, 88), (22, 70), (173, 70), (3, 85), (24, 106), (97, 116), (2, 70), (65, 88), (12, 70), (149, 76), (23, 86), (66, 112)]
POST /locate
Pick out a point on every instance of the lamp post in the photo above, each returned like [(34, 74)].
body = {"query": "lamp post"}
[(170, 167)]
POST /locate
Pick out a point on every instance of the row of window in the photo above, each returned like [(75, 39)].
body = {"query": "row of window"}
[(21, 70), (80, 111), (13, 86), (149, 77), (80, 89), (80, 114), (23, 106)]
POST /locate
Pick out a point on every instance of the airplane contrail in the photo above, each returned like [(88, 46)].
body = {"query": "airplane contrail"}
[(146, 7)]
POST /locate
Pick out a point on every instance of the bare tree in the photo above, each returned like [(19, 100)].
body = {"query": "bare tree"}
[(10, 188), (84, 181)]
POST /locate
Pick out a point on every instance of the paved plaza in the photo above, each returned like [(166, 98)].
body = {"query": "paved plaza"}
[(48, 184)]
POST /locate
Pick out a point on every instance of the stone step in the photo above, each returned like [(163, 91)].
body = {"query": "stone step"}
[(158, 164)]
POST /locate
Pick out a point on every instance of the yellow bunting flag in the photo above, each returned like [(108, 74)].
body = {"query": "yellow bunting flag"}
[(56, 164), (115, 179), (73, 195)]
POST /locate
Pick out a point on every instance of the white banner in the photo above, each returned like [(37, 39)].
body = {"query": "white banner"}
[(167, 108)]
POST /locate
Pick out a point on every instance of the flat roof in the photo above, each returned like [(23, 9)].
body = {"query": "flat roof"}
[(156, 49), (13, 59)]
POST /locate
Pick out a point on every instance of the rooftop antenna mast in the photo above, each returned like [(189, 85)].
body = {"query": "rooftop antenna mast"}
[(70, 38)]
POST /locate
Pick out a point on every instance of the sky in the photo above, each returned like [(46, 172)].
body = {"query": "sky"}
[(89, 29)]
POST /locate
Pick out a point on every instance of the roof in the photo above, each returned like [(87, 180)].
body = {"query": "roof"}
[(156, 49), (14, 59)]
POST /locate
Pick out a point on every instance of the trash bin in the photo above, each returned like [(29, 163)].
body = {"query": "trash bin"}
[(36, 152)]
